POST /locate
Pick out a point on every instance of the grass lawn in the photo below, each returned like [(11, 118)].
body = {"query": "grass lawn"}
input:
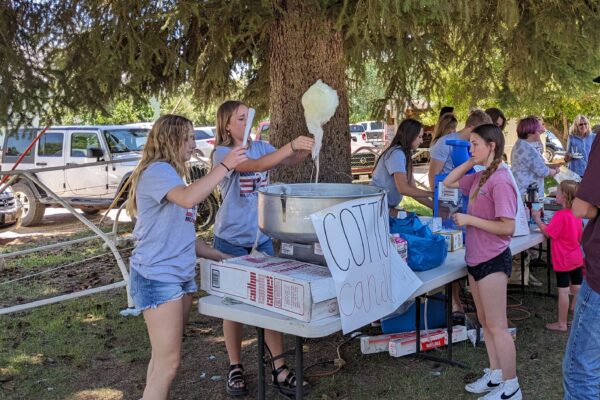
[(83, 349)]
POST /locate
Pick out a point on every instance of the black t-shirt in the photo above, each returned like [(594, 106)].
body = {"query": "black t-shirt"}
[(589, 191)]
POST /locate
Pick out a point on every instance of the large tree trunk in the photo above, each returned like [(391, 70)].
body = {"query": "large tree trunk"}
[(304, 47)]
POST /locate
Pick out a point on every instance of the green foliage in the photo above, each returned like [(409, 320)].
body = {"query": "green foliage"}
[(121, 111), (83, 54), (364, 94)]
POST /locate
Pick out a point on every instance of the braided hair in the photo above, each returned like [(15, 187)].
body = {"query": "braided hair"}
[(490, 133), (407, 132)]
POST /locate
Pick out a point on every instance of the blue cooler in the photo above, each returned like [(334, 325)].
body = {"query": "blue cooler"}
[(436, 317)]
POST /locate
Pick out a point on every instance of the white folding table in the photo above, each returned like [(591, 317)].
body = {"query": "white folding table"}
[(453, 269)]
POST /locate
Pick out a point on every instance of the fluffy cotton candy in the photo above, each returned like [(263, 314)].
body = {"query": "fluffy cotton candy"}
[(320, 102)]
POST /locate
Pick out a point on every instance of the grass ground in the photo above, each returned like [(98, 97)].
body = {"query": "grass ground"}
[(83, 349)]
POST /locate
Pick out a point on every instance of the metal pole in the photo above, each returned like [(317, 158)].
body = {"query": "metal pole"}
[(48, 247), (418, 324), (22, 156), (523, 273), (548, 266), (261, 363), (299, 369), (449, 324), (94, 228), (52, 300)]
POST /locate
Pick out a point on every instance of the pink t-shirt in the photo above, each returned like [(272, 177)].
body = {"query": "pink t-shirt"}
[(565, 231), (497, 198)]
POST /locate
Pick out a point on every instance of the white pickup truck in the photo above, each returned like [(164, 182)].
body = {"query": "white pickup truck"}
[(90, 188)]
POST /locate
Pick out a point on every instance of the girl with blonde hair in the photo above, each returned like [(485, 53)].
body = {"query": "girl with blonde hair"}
[(490, 222), (565, 231), (163, 262), (236, 226)]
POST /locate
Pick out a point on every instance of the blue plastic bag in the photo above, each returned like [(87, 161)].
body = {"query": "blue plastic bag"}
[(425, 249)]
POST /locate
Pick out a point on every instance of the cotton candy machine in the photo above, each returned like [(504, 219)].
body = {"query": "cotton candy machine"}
[(284, 209)]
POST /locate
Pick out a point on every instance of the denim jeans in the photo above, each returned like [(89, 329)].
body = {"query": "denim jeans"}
[(581, 364), (238, 251)]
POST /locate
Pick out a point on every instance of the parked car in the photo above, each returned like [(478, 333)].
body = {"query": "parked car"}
[(261, 132), (375, 132), (362, 161), (90, 188), (553, 147), (205, 140), (9, 207), (363, 155), (358, 133)]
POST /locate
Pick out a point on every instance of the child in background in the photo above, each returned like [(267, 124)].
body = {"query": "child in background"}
[(565, 231)]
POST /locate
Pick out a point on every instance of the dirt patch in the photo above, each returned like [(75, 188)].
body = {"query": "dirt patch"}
[(56, 224)]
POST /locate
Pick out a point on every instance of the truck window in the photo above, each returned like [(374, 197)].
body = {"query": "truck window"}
[(376, 125), (125, 140), (81, 141), (51, 145), (17, 142)]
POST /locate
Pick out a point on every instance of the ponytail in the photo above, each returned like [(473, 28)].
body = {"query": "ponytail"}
[(490, 133), (486, 175)]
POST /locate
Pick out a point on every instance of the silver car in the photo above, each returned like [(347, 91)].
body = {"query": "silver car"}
[(205, 140), (9, 207)]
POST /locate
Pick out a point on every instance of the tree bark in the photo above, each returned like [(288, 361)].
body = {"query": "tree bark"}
[(304, 47)]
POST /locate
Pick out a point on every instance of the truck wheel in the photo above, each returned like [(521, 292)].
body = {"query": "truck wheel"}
[(91, 211), (206, 212), (33, 210), (549, 155)]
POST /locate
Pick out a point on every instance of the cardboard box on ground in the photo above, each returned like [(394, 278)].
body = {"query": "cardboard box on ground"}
[(404, 343)]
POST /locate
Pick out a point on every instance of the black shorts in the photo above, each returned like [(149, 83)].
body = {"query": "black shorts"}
[(574, 277), (501, 263)]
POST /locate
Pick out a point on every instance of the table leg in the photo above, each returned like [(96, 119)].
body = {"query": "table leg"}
[(523, 273), (449, 324), (418, 324), (548, 266), (299, 369), (261, 363)]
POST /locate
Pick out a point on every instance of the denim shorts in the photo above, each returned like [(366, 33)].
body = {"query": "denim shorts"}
[(148, 293), (501, 263), (238, 251)]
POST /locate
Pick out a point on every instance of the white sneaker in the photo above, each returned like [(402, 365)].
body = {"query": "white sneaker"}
[(505, 392), (490, 380)]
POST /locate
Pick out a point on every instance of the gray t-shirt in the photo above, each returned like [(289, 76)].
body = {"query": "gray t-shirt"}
[(165, 234), (237, 218), (393, 161), (441, 151)]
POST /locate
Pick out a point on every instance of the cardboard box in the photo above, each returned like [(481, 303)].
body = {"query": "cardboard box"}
[(400, 245), (434, 223), (451, 195), (454, 239), (289, 287), (429, 340)]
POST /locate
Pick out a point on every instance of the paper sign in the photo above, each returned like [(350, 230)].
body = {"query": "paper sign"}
[(371, 279), (521, 222)]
